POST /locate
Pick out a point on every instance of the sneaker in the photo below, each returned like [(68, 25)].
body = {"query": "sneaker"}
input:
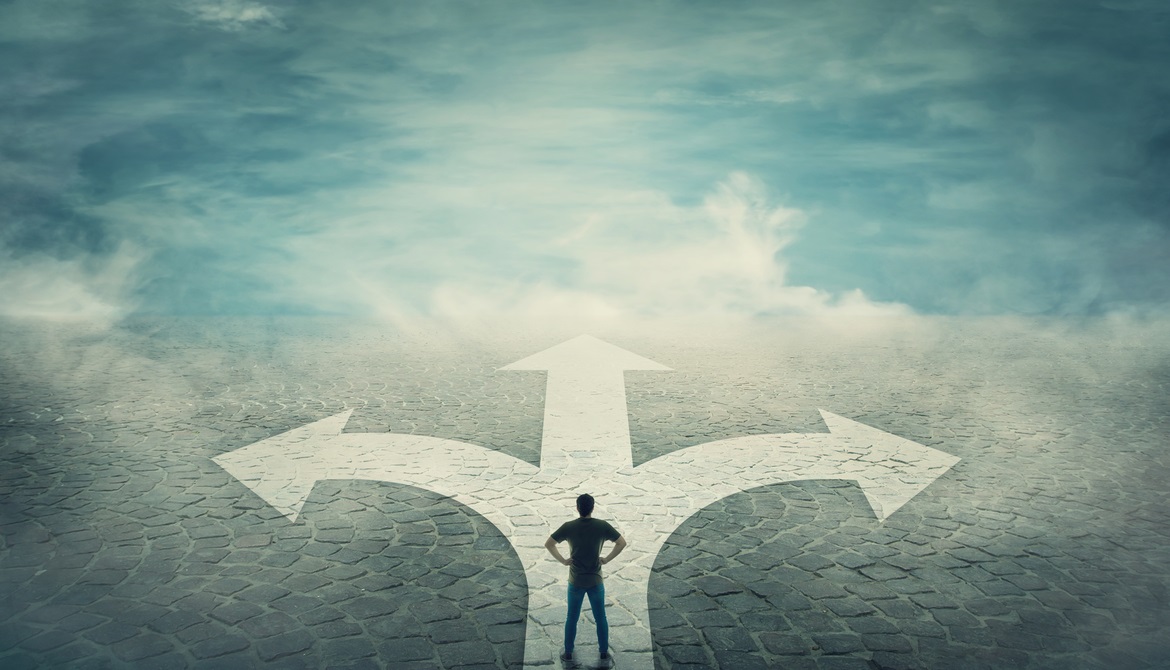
[(566, 656), (606, 661)]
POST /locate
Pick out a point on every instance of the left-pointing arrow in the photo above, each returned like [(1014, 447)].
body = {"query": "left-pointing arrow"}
[(283, 469)]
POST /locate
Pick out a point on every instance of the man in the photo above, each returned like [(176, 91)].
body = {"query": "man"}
[(585, 536)]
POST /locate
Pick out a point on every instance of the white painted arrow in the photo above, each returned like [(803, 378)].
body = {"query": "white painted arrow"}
[(585, 421), (284, 468), (586, 448)]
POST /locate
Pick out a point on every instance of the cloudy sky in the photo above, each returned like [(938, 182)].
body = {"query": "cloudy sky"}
[(446, 158)]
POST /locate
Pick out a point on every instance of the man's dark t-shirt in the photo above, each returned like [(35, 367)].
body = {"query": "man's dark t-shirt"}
[(585, 536)]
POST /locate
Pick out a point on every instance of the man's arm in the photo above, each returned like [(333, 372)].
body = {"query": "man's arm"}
[(551, 545), (618, 545)]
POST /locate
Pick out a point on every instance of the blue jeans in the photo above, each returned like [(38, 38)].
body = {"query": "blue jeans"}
[(597, 604)]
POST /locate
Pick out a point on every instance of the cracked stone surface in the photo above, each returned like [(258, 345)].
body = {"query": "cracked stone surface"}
[(124, 545)]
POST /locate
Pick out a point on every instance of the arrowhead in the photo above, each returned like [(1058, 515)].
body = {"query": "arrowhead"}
[(271, 467), (892, 470), (585, 352)]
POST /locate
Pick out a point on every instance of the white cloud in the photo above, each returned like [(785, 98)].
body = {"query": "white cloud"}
[(234, 15), (42, 287), (722, 260), (731, 264)]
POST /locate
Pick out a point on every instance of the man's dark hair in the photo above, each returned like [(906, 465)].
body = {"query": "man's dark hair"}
[(585, 504)]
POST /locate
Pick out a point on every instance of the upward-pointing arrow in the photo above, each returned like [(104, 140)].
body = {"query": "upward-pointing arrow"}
[(585, 417)]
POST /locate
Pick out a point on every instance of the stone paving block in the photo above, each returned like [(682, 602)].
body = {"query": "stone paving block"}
[(141, 614), (408, 649), (336, 592), (228, 586), (466, 653), (173, 622), (838, 643), (347, 649), (366, 607), (843, 663), (76, 652), (374, 582), (241, 660), (815, 620), (765, 620), (336, 629), (686, 654), (504, 633), (80, 621), (885, 660), (741, 604), (454, 631), (685, 635), (46, 641), (200, 632), (784, 643), (141, 646), (399, 624), (714, 585), (848, 606), (283, 645), (1057, 600), (268, 624), (297, 604), (431, 611), (711, 619), (343, 572), (49, 613), (821, 589), (262, 594), (731, 638), (885, 642), (875, 624), (910, 586), (881, 572), (810, 562), (320, 615), (234, 612), (932, 601), (436, 581)]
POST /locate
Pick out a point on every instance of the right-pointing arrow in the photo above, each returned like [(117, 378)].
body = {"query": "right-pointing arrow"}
[(894, 469), (890, 470)]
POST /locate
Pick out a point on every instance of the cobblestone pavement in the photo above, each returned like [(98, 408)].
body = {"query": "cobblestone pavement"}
[(124, 545)]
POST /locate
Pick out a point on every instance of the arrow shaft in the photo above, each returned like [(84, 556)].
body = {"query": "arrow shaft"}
[(586, 426), (626, 586)]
